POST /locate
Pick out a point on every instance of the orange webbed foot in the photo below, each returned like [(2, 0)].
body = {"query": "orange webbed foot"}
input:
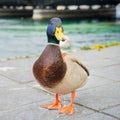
[(55, 105), (67, 110), (52, 106)]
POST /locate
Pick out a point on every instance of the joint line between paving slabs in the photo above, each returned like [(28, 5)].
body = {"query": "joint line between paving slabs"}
[(98, 111)]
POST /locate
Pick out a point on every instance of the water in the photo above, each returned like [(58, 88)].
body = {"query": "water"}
[(23, 37)]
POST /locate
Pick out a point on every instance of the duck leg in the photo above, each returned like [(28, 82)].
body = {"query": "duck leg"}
[(54, 105), (68, 109)]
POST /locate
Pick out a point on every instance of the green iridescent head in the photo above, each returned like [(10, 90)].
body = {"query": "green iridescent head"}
[(55, 30)]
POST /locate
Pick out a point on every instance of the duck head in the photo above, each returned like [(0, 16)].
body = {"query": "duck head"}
[(55, 31)]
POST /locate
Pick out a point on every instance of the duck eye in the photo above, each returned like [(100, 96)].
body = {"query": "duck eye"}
[(57, 31)]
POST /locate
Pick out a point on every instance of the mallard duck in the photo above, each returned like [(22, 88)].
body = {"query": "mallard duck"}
[(58, 72)]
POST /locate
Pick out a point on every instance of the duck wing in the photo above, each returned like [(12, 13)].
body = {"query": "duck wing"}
[(76, 61)]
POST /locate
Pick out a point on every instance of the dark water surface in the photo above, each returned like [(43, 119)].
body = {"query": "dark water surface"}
[(22, 37)]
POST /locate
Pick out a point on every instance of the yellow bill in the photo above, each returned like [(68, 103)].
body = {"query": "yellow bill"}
[(58, 33)]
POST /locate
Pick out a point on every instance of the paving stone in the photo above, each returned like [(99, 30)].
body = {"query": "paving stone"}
[(100, 97), (5, 82), (20, 77), (20, 62), (99, 58), (115, 110), (97, 116), (95, 81), (13, 97), (35, 112), (102, 63), (19, 70), (109, 72)]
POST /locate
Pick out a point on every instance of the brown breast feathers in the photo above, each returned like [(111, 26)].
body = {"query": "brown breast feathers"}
[(50, 68)]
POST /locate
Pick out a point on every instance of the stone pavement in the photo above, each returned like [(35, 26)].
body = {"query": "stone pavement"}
[(21, 96)]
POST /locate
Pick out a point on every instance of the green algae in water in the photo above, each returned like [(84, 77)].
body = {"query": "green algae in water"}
[(85, 48), (114, 43)]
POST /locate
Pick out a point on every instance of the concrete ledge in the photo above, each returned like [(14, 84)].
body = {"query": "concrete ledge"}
[(15, 13), (46, 14), (66, 14)]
